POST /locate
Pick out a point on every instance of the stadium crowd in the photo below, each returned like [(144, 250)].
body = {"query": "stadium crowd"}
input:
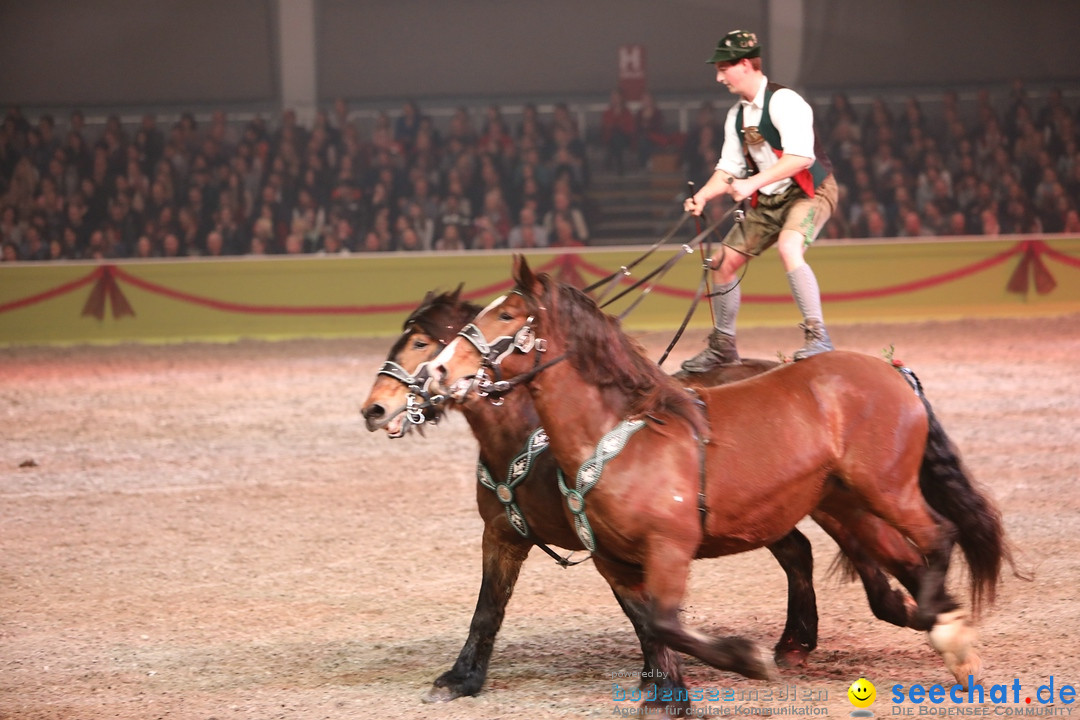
[(225, 188), (221, 189)]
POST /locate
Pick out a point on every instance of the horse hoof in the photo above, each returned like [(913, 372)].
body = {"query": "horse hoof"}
[(791, 657), (768, 669), (743, 656), (759, 666), (967, 672), (952, 633), (438, 694)]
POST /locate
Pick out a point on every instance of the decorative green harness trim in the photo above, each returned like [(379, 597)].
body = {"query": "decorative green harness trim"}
[(589, 474), (518, 471)]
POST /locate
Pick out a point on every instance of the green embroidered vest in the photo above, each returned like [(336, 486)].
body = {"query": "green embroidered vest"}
[(807, 179)]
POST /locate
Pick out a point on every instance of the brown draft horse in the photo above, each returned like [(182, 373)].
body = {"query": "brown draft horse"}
[(502, 433), (839, 432)]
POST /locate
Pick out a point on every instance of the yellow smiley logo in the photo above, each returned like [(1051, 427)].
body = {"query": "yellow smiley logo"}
[(862, 693)]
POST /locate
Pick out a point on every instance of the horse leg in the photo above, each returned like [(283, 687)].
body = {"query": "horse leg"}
[(504, 553), (662, 667), (667, 568), (948, 489), (933, 536), (796, 557), (662, 686), (858, 536), (951, 633)]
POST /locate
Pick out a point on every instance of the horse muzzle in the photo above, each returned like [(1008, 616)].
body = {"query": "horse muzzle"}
[(376, 416)]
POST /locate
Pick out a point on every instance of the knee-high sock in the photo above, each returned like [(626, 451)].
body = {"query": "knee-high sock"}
[(726, 306), (804, 288)]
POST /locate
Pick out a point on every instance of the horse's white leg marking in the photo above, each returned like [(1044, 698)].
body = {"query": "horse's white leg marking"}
[(954, 638)]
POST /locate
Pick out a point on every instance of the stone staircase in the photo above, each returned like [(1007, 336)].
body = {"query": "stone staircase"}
[(637, 207)]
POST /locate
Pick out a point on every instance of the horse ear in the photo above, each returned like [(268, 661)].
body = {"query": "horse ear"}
[(523, 274), (456, 295)]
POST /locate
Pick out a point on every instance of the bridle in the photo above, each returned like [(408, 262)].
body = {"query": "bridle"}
[(493, 352), (419, 383), (420, 397)]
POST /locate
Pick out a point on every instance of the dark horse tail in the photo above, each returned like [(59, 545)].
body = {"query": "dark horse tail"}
[(948, 489)]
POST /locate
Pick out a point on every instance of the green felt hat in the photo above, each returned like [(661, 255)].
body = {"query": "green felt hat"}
[(736, 45)]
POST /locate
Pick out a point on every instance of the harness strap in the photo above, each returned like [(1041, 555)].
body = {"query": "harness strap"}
[(563, 561), (519, 469), (703, 509), (588, 475), (706, 254), (703, 285), (392, 369), (497, 389), (419, 385)]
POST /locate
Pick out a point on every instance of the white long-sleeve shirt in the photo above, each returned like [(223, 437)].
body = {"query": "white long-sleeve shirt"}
[(792, 117)]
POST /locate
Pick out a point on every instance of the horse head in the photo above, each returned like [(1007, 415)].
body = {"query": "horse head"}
[(539, 323), (402, 396), (504, 345)]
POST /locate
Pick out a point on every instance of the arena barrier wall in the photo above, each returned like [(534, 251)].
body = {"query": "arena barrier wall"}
[(370, 295)]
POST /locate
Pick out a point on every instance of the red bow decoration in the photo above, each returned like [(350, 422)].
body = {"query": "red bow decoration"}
[(107, 287), (1032, 264)]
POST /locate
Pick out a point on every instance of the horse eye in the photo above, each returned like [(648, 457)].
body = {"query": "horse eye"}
[(505, 316), (419, 344)]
